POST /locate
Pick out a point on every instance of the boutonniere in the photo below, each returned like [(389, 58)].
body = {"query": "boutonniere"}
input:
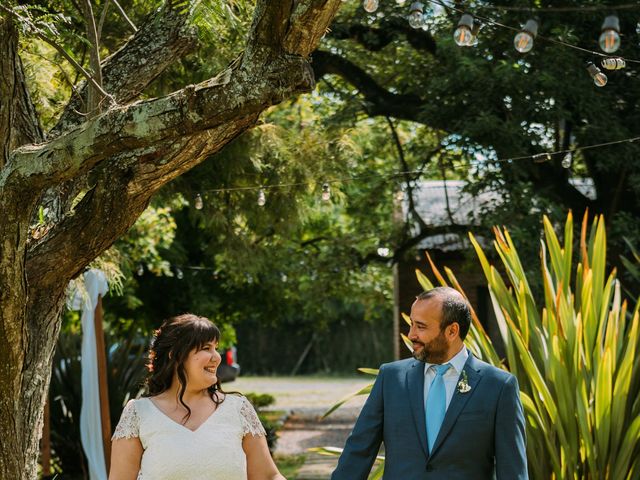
[(463, 383)]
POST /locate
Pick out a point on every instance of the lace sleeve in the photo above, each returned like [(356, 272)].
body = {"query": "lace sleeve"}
[(250, 421), (128, 426)]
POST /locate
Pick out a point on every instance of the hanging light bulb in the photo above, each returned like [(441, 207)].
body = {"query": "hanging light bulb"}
[(326, 192), (523, 41), (198, 203), (463, 35), (599, 78), (567, 160), (610, 37), (140, 270), (416, 15), (262, 198), (474, 35), (179, 274), (370, 5), (613, 63)]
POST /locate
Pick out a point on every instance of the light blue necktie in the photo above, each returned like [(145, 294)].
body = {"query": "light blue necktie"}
[(436, 404)]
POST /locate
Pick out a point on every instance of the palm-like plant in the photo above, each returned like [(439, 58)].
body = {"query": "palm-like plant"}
[(574, 353)]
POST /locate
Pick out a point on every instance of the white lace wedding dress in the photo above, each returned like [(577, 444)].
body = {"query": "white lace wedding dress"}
[(173, 452)]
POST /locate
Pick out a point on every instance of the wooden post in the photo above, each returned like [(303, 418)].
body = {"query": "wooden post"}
[(103, 385), (45, 442)]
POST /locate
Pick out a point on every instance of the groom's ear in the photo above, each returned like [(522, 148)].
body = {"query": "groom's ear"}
[(453, 330)]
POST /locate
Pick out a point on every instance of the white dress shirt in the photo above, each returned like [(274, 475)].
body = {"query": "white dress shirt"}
[(450, 378)]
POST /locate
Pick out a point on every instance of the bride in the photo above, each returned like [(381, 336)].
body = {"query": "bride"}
[(185, 426)]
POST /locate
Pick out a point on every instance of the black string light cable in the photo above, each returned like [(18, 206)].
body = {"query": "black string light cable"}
[(536, 158)]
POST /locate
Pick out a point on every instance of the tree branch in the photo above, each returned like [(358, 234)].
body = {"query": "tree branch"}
[(134, 150), (294, 28), (93, 98), (410, 243), (103, 16), (124, 15), (379, 100), (407, 178), (19, 123), (153, 123), (40, 34), (390, 29), (161, 40)]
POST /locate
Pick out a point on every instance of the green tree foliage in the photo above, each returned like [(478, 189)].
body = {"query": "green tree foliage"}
[(421, 104), (490, 102)]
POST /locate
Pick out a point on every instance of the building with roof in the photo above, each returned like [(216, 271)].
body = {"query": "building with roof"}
[(442, 204)]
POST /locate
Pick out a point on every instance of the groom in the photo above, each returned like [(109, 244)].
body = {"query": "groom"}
[(445, 415)]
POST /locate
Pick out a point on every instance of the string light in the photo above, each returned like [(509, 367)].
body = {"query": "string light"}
[(198, 203), (416, 15), (547, 39), (523, 41), (536, 158), (326, 192), (542, 157), (582, 8), (613, 63), (179, 274), (140, 270), (599, 78), (466, 36), (463, 35), (370, 5), (262, 198), (567, 160), (609, 40)]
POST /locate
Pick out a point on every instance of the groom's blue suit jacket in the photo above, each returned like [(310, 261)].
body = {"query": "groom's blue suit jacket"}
[(482, 435)]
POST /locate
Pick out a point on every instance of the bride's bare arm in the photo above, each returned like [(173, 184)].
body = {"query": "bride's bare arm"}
[(260, 465), (126, 454)]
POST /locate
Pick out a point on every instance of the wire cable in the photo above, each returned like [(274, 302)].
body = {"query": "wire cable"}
[(537, 158)]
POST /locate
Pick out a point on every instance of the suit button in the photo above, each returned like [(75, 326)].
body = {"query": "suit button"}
[(429, 468)]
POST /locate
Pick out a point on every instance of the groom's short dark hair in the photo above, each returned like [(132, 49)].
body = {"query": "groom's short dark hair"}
[(455, 309)]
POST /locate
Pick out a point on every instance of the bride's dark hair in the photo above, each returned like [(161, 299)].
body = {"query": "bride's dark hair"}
[(170, 347)]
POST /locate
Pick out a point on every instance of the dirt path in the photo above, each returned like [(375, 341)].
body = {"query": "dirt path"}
[(306, 399)]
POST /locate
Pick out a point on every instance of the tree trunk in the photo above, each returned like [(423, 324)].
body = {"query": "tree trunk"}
[(129, 152)]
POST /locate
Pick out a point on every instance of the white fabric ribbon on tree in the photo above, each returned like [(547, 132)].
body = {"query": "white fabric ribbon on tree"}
[(90, 424)]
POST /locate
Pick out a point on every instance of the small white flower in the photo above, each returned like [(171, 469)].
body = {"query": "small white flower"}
[(463, 384)]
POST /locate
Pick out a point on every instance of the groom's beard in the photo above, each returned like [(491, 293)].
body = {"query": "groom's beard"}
[(433, 352)]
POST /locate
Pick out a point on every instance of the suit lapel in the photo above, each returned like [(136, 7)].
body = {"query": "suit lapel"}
[(458, 401), (415, 385)]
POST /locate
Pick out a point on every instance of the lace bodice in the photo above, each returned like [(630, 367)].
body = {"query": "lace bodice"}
[(173, 452)]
